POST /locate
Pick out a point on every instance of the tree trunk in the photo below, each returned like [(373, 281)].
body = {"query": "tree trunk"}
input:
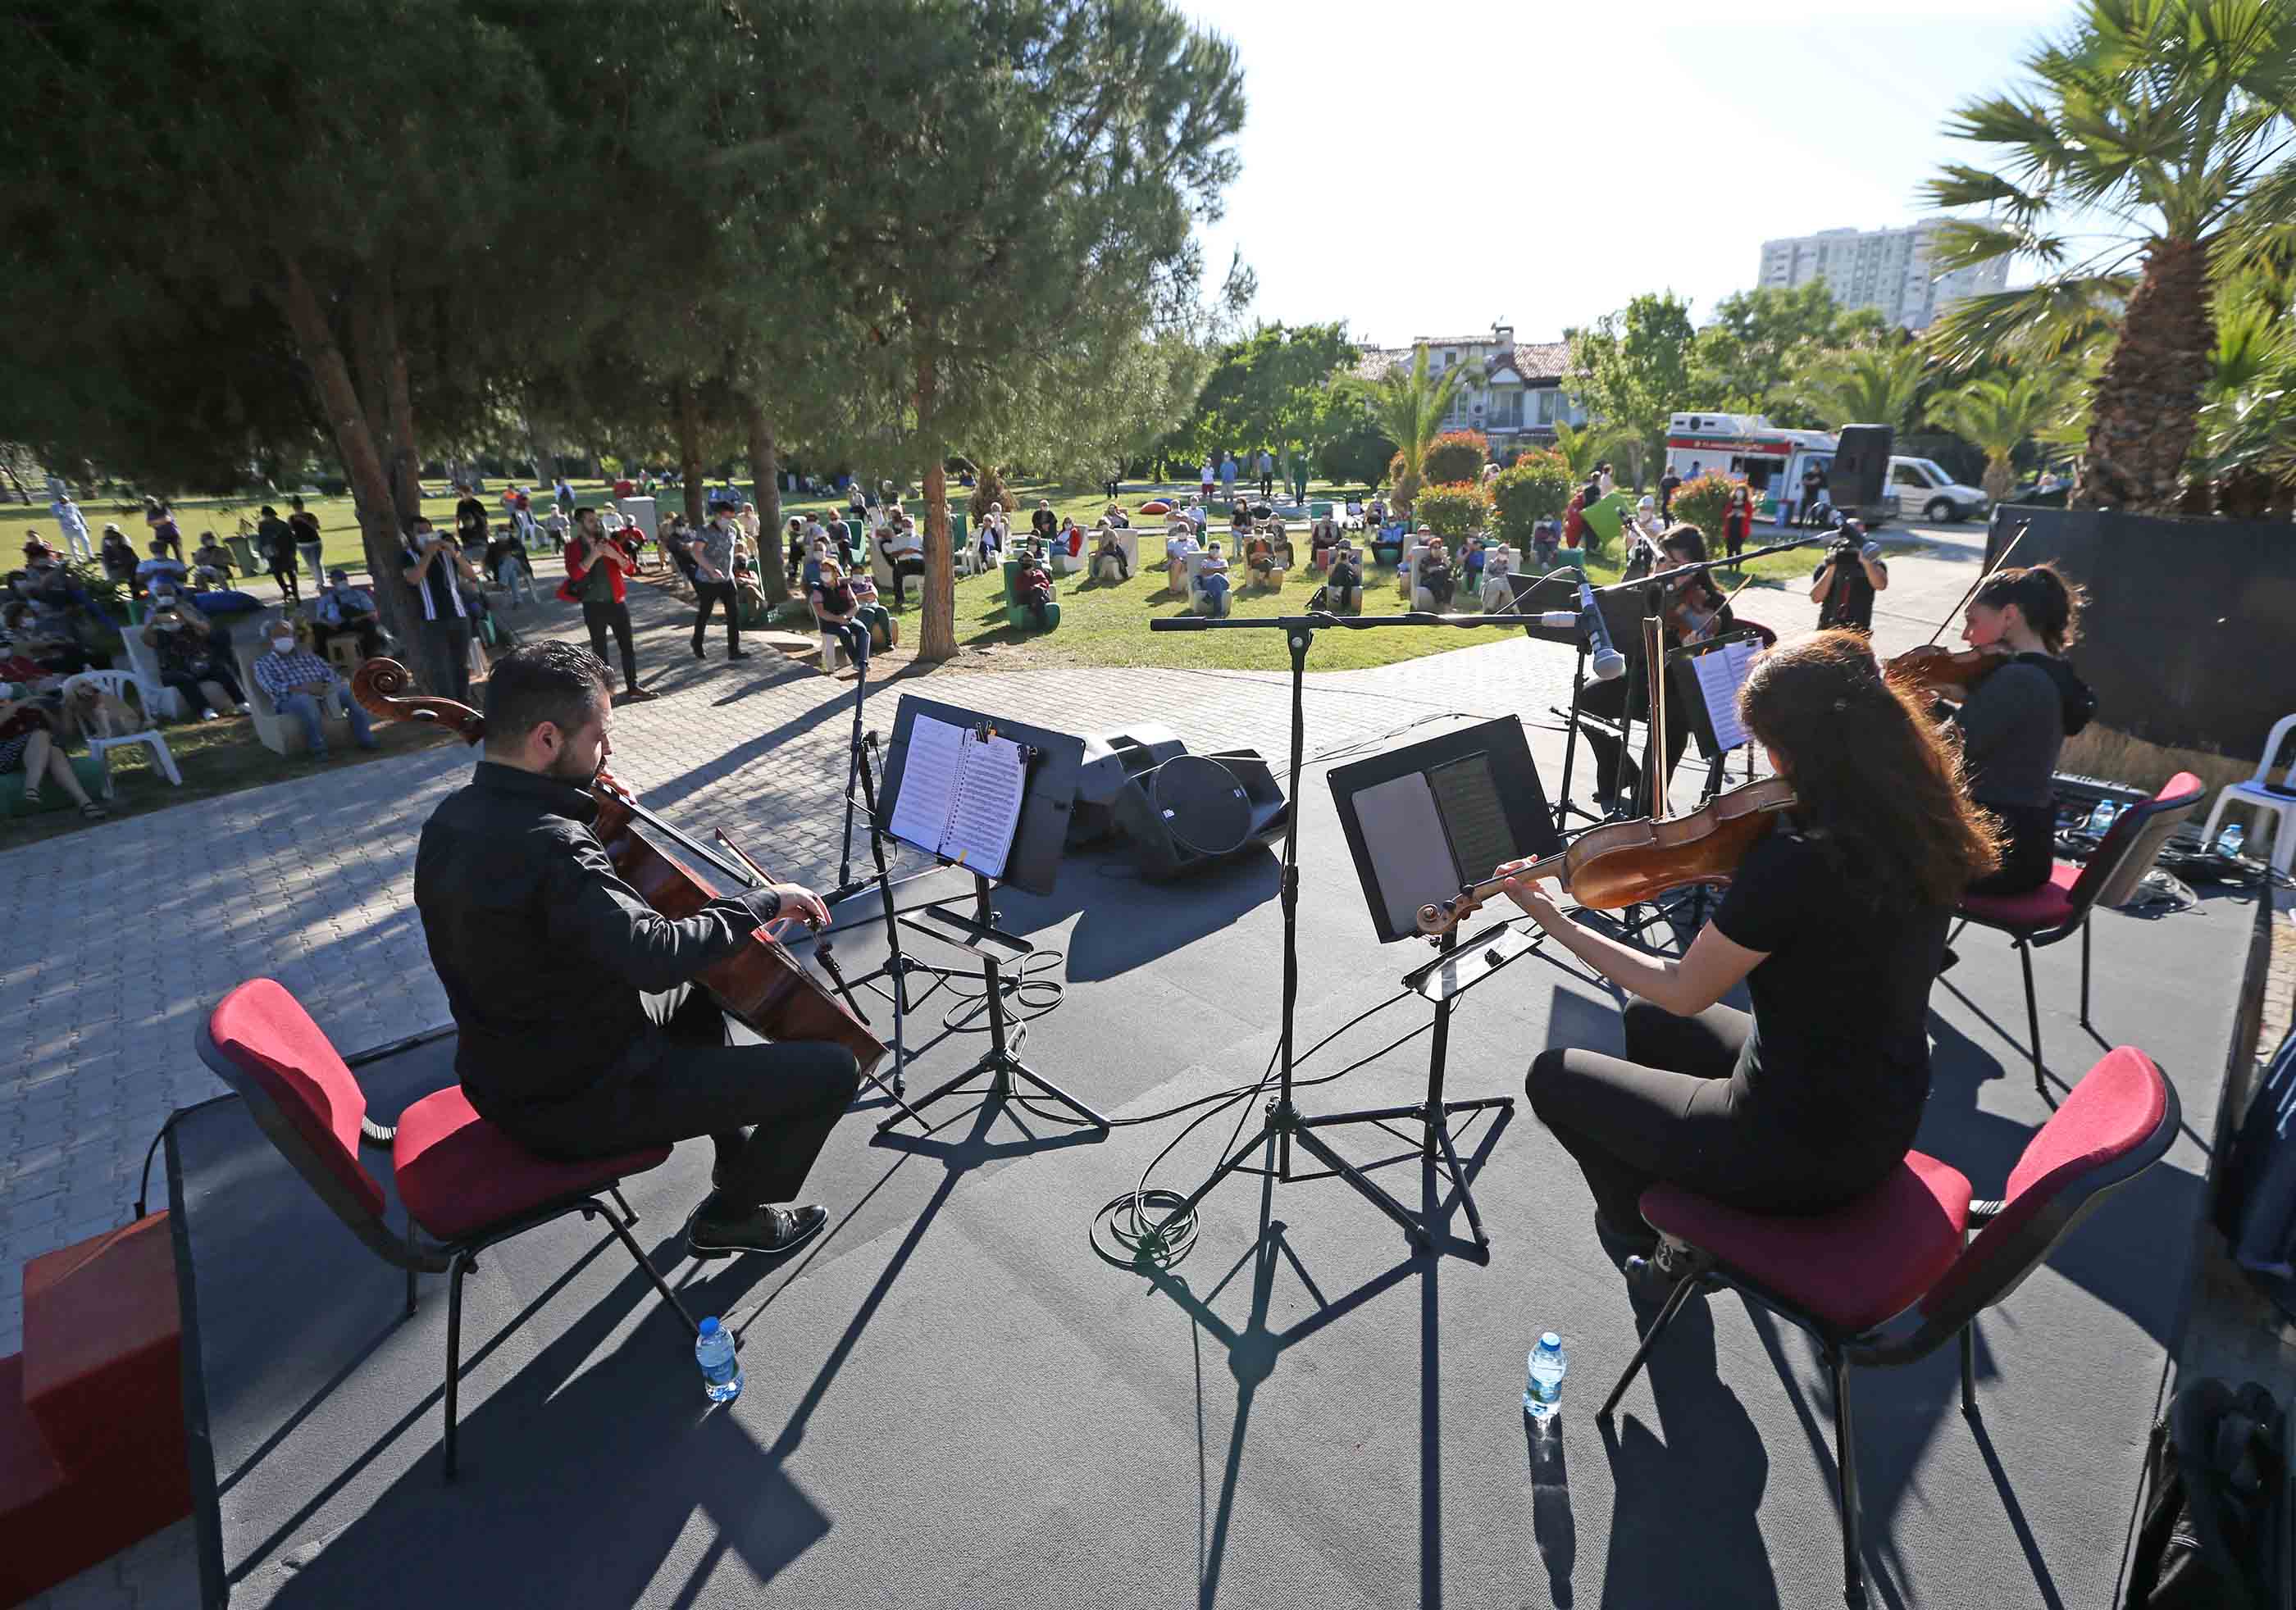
[(2000, 480), (2146, 405), (937, 631), (689, 451), (406, 465), (379, 529), (765, 472), (545, 464)]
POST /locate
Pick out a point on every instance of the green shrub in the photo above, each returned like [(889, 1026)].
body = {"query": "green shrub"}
[(1538, 488), (1702, 502), (1355, 459), (1457, 456), (1454, 509), (988, 490)]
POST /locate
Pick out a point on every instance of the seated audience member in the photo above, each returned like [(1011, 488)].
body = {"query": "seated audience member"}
[(1239, 526), (1435, 574), (212, 555), (1495, 586), (1043, 524), (817, 551), (793, 543), (1179, 543), (838, 610), (160, 566), (1323, 536), (28, 681), (348, 611), (903, 551), (1346, 578), (117, 557), (1471, 566), (868, 609), (27, 744), (1032, 588), (1117, 518), (1105, 547), (1546, 542), (1375, 511), (299, 683), (554, 526), (1212, 577), (995, 535), (190, 661), (1260, 559), (507, 562)]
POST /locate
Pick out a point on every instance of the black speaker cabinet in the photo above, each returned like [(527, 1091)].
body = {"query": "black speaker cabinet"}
[(1194, 811), (1110, 760), (1859, 481)]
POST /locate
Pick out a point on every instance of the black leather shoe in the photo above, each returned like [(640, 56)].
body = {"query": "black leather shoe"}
[(773, 1230), (737, 654), (700, 652)]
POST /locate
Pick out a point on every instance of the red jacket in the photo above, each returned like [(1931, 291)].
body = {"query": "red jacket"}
[(570, 589)]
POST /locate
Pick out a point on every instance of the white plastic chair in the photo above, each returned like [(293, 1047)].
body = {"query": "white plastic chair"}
[(114, 684), (159, 700), (2257, 793)]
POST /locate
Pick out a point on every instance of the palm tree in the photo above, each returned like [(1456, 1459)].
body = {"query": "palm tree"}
[(2000, 414), (1867, 386), (2245, 453), (1409, 406), (1583, 448), (2169, 119)]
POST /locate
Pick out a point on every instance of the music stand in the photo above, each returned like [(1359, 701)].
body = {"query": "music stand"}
[(1052, 762)]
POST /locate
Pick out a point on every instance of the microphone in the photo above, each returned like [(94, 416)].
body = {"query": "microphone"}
[(1608, 664)]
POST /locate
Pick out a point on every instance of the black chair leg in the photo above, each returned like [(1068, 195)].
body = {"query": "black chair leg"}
[(1969, 1370), (1845, 1482), (653, 1274), (2085, 1022), (629, 1215), (455, 1267), (2033, 1022), (1674, 1301)]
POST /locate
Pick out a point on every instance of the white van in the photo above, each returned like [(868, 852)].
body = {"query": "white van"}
[(1924, 491)]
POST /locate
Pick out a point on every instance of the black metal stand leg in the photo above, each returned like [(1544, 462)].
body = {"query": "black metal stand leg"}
[(1442, 1132), (2085, 1022), (1969, 1370), (2033, 1023), (622, 1234), (1674, 1302), (1845, 1474), (455, 1267), (630, 1214), (852, 766), (1368, 1187)]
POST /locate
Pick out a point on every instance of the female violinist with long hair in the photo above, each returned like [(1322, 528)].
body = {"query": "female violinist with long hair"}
[(1694, 608), (2013, 723), (1835, 923)]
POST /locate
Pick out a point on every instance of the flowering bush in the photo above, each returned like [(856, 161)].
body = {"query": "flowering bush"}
[(1457, 456), (1702, 502), (1452, 509), (1538, 488)]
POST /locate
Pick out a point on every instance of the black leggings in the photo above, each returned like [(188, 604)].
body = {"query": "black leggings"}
[(1616, 771), (284, 574), (683, 1079), (707, 596), (2028, 849), (615, 618), (1671, 1110)]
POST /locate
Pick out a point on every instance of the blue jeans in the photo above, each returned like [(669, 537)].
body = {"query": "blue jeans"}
[(305, 708)]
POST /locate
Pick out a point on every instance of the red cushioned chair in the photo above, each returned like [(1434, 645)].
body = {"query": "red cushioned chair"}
[(465, 1184), (2059, 908), (1893, 1276)]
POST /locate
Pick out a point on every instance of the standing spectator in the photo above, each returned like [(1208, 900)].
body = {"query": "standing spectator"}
[(116, 555), (563, 494), (159, 567), (1266, 474), (1228, 474), (596, 569), (1813, 491), (713, 568), (161, 518), (1299, 479), (307, 546), (470, 519), (795, 539), (183, 644), (211, 555), (1669, 484), (1207, 477), (349, 610), (73, 524), (1032, 589), (301, 684), (1847, 579), (274, 539), (433, 564), (28, 743), (1737, 519), (838, 609)]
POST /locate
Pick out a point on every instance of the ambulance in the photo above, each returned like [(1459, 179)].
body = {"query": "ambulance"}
[(1747, 447)]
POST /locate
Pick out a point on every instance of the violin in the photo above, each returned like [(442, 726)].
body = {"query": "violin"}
[(762, 985), (1934, 669), (1620, 863)]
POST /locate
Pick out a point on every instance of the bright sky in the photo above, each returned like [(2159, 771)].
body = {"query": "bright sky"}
[(1427, 166)]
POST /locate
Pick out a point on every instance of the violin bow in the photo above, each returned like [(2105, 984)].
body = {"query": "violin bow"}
[(1987, 575), (779, 925)]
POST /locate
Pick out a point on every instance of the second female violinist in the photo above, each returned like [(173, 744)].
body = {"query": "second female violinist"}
[(582, 1032), (1836, 925), (2013, 723), (1694, 608)]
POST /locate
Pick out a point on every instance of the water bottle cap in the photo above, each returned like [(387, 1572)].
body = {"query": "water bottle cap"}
[(1550, 1340), (710, 1327)]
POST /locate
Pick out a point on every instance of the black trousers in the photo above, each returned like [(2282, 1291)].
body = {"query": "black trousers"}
[(854, 635), (1671, 1110), (683, 1079), (452, 635), (615, 618), (1615, 770), (2028, 850), (284, 574), (707, 596)]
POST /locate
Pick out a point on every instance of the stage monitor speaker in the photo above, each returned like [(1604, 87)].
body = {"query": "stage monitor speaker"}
[(1111, 760), (1195, 810), (1858, 483)]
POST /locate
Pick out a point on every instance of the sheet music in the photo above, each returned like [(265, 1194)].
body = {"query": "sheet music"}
[(1410, 854), (960, 795), (1474, 818), (1721, 671)]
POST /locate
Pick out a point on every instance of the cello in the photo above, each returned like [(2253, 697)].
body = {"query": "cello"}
[(761, 985)]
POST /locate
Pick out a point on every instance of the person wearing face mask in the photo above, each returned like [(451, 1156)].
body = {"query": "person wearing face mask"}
[(595, 569), (607, 1045), (712, 549), (299, 683), (190, 659)]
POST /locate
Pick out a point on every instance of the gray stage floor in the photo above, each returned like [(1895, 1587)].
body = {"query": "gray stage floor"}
[(951, 1401)]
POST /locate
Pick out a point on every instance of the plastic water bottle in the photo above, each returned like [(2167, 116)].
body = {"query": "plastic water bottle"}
[(721, 1370), (2229, 841), (1542, 1394), (2100, 819)]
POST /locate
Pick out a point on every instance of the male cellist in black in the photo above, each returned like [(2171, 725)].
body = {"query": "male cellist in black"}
[(582, 1031)]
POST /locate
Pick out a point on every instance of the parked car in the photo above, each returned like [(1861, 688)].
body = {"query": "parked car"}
[(1923, 490)]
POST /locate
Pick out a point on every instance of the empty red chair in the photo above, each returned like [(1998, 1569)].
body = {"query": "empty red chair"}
[(465, 1185), (1893, 1276), (2059, 908)]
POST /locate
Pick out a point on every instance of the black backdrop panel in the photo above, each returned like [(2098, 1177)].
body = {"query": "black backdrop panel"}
[(2186, 636)]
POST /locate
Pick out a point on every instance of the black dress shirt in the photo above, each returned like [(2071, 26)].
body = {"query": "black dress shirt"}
[(543, 949)]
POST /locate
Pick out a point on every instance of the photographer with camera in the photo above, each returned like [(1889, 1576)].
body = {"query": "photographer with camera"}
[(1847, 579)]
